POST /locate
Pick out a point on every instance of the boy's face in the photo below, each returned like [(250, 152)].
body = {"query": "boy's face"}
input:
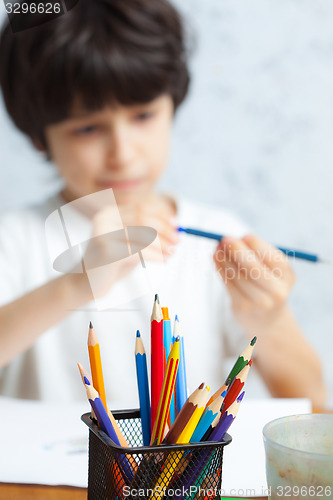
[(122, 147)]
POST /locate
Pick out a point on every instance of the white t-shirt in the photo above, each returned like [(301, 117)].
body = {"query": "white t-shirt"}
[(191, 288)]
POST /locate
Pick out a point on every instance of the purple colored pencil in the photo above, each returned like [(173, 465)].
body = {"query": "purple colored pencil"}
[(106, 425), (193, 472)]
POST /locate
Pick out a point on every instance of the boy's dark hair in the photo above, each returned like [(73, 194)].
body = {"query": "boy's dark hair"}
[(102, 51)]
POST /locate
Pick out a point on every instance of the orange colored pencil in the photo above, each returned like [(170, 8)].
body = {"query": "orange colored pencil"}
[(98, 380), (218, 393), (96, 364)]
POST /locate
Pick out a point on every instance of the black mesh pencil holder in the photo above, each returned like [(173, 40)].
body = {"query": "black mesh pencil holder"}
[(188, 471)]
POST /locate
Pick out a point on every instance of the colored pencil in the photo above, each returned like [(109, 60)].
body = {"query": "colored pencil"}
[(143, 388), (86, 381), (218, 393), (188, 430), (298, 254), (156, 357), (209, 419), (194, 473), (184, 416), (167, 336), (226, 420), (106, 426), (236, 386), (96, 364), (242, 360), (181, 383), (166, 393), (167, 343), (101, 413), (173, 460)]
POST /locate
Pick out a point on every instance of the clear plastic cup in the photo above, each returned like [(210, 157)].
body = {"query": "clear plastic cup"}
[(299, 457)]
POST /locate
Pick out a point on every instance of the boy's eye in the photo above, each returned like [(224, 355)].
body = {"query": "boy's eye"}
[(145, 115), (89, 129)]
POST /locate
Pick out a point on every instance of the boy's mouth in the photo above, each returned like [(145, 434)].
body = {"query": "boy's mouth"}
[(123, 184)]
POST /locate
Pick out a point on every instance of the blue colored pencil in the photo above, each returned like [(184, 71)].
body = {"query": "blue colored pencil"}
[(106, 426), (143, 388), (297, 254), (181, 384)]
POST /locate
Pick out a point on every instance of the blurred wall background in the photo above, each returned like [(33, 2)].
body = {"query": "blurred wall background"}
[(255, 136)]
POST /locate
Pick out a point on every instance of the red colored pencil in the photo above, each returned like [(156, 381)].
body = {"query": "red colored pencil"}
[(157, 374), (236, 386)]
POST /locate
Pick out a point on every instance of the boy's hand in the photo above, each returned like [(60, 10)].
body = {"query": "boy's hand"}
[(257, 275), (107, 246)]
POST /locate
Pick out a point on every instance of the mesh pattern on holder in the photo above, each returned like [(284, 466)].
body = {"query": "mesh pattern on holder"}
[(188, 471)]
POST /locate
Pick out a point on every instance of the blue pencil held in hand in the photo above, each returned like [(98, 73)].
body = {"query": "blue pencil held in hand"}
[(297, 254)]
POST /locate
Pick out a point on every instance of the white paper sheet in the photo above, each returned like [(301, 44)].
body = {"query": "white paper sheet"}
[(45, 443)]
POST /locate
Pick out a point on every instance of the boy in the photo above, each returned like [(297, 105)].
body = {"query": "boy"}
[(97, 89)]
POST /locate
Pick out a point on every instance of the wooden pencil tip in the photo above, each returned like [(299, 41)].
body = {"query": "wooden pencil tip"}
[(91, 325), (201, 386), (138, 333), (176, 318), (253, 341), (157, 298)]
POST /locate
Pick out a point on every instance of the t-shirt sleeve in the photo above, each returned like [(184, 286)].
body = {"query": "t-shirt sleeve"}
[(12, 257)]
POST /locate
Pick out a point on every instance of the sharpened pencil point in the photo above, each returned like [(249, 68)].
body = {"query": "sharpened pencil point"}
[(157, 298), (138, 333), (253, 341), (176, 318), (240, 397), (86, 381), (181, 229), (91, 325)]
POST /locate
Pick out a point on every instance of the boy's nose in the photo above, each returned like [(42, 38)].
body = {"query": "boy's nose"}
[(120, 150)]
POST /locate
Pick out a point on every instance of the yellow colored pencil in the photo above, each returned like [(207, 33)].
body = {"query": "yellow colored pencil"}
[(167, 390), (193, 421), (174, 458)]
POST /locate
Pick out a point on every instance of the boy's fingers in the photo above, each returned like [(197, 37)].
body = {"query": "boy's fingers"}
[(142, 216), (247, 289), (252, 274), (241, 302), (269, 255)]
